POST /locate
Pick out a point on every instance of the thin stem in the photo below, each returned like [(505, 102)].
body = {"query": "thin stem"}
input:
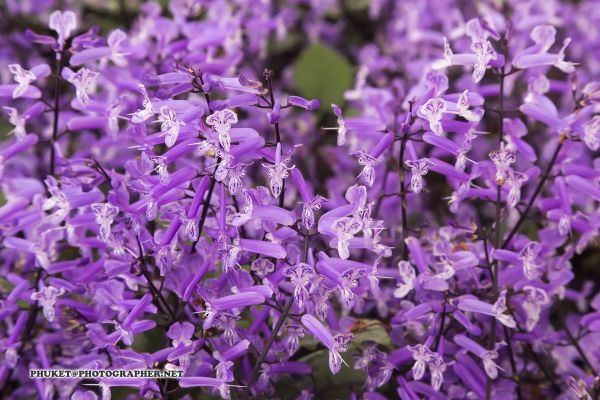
[(277, 132), (577, 346), (265, 351), (103, 172), (536, 193), (211, 188), (438, 337), (56, 110), (164, 394), (269, 76), (513, 364), (158, 297), (536, 358), (498, 228), (278, 325), (403, 203), (542, 366), (213, 178)]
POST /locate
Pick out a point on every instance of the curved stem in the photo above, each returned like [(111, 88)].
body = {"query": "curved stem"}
[(213, 179), (536, 193), (211, 188), (156, 294)]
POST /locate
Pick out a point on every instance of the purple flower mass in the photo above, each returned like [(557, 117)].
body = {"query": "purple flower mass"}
[(301, 199)]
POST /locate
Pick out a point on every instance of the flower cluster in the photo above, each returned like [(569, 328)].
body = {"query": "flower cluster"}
[(169, 200)]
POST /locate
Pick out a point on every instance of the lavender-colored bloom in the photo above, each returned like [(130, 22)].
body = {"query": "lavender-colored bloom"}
[(487, 356), (169, 125), (346, 228), (304, 103), (496, 310), (47, 297), (502, 159), (84, 81), (63, 23), (278, 172), (221, 122), (418, 168), (145, 113), (408, 278), (300, 276), (433, 111), (336, 344)]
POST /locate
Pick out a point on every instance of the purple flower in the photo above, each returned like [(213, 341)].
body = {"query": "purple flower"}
[(544, 36), (345, 229), (336, 344), (535, 299), (114, 51), (47, 297), (408, 278), (221, 122), (418, 169), (433, 111), (422, 356), (300, 276), (63, 23), (497, 310), (169, 125), (487, 356), (84, 81), (145, 113), (278, 172), (105, 214), (502, 159)]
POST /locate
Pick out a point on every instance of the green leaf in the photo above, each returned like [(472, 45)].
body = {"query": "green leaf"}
[(340, 384), (374, 332), (5, 284), (149, 341), (357, 5), (323, 73)]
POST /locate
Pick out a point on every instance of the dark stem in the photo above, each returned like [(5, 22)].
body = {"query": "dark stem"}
[(536, 193), (213, 178), (269, 76), (278, 325), (211, 188), (158, 297), (438, 337), (513, 364), (506, 332), (536, 358), (56, 111), (498, 229), (103, 172), (542, 366), (403, 203), (577, 346), (270, 82), (164, 394)]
